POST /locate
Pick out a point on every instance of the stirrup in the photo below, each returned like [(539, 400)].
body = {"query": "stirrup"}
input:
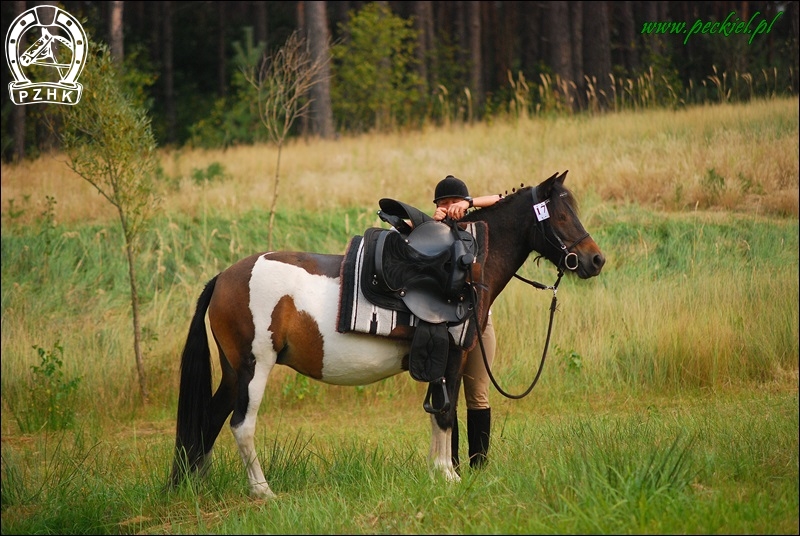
[(427, 404)]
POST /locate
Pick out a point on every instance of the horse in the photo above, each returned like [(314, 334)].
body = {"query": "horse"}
[(280, 308)]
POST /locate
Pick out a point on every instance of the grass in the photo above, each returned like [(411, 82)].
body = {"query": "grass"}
[(668, 402), (685, 464)]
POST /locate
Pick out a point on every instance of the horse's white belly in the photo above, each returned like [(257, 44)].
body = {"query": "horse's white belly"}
[(348, 358), (360, 359)]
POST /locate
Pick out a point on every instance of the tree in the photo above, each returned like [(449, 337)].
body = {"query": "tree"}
[(319, 46), (282, 83), (260, 22), (222, 58), (475, 57), (457, 45), (110, 145), (597, 50), (116, 36), (376, 82), (576, 31), (560, 47), (426, 47), (18, 112), (169, 73), (627, 37)]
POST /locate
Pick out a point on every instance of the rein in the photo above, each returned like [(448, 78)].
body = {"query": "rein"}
[(570, 262), (553, 304)]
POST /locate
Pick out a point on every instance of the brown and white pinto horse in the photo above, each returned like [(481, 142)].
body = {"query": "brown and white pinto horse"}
[(281, 308)]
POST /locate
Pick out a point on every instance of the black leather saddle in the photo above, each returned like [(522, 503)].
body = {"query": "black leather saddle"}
[(422, 269)]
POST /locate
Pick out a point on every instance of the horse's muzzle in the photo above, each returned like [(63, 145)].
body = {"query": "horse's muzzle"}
[(590, 263)]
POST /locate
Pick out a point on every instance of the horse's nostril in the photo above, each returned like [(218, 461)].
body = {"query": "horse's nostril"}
[(599, 260)]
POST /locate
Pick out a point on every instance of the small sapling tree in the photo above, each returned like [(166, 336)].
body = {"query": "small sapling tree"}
[(282, 82), (109, 143)]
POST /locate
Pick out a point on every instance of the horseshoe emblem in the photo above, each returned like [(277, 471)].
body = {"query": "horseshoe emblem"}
[(52, 26)]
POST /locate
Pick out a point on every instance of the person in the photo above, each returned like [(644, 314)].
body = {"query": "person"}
[(452, 199)]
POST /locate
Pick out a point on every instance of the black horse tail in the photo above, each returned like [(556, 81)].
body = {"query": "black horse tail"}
[(194, 396)]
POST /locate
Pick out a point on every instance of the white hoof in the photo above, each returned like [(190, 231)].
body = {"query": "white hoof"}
[(446, 471), (262, 491), (452, 476)]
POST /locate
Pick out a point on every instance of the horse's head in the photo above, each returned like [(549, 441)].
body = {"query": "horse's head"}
[(558, 234), (544, 219)]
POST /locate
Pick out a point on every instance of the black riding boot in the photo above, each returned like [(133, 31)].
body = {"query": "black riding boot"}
[(479, 423), (454, 445)]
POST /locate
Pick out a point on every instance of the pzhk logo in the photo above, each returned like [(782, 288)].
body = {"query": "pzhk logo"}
[(59, 51)]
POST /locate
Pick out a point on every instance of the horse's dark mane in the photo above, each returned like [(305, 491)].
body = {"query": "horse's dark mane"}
[(507, 198), (559, 193)]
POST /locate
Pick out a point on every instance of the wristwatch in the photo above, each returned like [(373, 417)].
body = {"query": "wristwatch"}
[(468, 199)]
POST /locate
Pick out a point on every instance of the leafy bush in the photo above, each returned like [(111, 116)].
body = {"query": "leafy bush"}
[(50, 404), (374, 83), (214, 172)]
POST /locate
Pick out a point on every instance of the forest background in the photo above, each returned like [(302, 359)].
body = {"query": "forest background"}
[(405, 65)]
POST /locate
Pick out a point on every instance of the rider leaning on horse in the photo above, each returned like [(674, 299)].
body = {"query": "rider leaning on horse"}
[(452, 200)]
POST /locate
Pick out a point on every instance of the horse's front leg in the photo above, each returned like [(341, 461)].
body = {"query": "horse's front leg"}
[(440, 456)]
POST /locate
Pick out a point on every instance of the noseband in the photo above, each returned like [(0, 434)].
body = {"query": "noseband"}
[(570, 260)]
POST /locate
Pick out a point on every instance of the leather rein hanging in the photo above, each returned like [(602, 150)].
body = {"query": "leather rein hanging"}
[(540, 209)]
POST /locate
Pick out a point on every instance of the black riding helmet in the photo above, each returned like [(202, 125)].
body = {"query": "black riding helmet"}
[(450, 187)]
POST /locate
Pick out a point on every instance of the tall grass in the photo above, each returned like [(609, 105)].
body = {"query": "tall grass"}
[(655, 88), (657, 158), (668, 401), (698, 301), (651, 89)]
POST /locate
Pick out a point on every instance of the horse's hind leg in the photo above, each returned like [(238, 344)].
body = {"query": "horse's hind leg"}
[(220, 407), (252, 382)]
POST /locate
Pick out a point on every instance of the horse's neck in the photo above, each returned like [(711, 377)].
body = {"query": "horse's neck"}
[(509, 248), (501, 267)]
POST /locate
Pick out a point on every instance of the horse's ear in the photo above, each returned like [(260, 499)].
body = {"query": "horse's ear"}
[(546, 186), (561, 177)]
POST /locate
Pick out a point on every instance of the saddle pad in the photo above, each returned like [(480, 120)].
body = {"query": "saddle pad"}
[(358, 314)]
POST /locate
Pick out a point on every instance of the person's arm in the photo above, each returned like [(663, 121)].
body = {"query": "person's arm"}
[(459, 208), (485, 200)]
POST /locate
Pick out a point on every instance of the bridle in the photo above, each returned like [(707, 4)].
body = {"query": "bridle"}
[(569, 261)]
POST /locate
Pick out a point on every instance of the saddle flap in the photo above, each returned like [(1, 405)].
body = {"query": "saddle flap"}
[(424, 301), (427, 357), (367, 307)]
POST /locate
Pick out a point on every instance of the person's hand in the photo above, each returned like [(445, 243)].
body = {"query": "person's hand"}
[(440, 214), (457, 210)]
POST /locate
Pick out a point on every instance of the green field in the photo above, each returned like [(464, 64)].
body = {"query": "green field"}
[(668, 402)]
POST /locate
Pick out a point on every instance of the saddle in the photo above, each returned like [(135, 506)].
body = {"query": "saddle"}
[(423, 269)]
